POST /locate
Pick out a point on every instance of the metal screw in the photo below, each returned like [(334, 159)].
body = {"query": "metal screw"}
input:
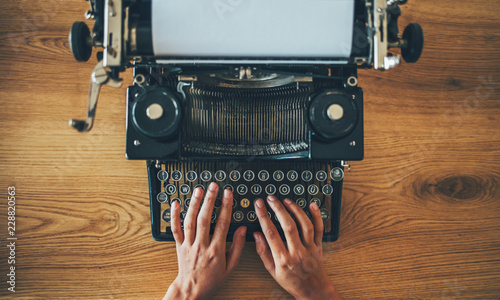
[(352, 81), (353, 144), (137, 143)]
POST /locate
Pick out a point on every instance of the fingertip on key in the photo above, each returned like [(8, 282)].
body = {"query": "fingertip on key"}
[(314, 206), (243, 231), (175, 205), (213, 187), (259, 203), (288, 201), (198, 192), (271, 198)]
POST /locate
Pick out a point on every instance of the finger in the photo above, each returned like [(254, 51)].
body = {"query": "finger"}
[(176, 223), (287, 224), (205, 215), (264, 252), (191, 216), (270, 232), (234, 253), (306, 227), (318, 223), (224, 219)]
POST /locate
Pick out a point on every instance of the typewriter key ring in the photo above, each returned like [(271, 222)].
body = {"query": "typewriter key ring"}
[(99, 77)]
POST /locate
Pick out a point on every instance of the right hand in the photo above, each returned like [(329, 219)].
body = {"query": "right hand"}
[(298, 266)]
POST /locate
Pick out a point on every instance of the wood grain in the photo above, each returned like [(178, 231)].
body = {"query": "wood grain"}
[(420, 215)]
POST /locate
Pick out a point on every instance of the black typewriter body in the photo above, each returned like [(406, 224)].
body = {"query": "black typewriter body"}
[(256, 137), (277, 125)]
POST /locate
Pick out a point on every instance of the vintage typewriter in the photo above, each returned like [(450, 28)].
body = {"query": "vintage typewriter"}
[(260, 96)]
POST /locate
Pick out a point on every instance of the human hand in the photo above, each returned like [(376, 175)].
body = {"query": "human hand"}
[(298, 265), (204, 264)]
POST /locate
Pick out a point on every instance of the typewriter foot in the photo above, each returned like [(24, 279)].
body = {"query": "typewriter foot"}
[(79, 40), (414, 37)]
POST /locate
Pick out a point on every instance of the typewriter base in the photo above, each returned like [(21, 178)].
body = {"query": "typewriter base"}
[(323, 184)]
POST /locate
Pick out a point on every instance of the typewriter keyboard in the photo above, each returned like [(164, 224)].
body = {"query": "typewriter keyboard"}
[(302, 182)]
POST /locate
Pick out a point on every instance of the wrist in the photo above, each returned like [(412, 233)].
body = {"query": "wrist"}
[(327, 292), (179, 292)]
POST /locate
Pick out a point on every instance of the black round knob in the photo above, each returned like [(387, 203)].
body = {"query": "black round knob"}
[(157, 114), (79, 38), (414, 36), (332, 115)]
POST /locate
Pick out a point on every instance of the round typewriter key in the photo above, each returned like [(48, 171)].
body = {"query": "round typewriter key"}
[(317, 201), (176, 200), (229, 187), (162, 197), (235, 203), (252, 216), (220, 175), (327, 189), (162, 175), (242, 189), (183, 215), (199, 186), (292, 175), (191, 176), (184, 189), (299, 189), (263, 175), (307, 175), (256, 189), (206, 176), (301, 202), (176, 175), (249, 175), (170, 189), (313, 189), (187, 202), (278, 175), (214, 216), (337, 174), (166, 216), (234, 175), (218, 203), (270, 189), (321, 176), (284, 189), (325, 215), (245, 203), (238, 216)]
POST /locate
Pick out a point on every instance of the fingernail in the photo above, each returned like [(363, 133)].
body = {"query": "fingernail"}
[(227, 193), (175, 205), (213, 187), (271, 198), (256, 237), (259, 203), (288, 201), (243, 232), (314, 206), (198, 192)]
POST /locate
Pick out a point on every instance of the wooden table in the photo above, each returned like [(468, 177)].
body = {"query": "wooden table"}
[(420, 215)]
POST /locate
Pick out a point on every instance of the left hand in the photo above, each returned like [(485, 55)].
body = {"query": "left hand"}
[(204, 264)]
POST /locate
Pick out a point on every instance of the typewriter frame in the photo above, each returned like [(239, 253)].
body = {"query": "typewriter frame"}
[(122, 30)]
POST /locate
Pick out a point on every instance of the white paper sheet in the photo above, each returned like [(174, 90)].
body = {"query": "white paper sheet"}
[(253, 28)]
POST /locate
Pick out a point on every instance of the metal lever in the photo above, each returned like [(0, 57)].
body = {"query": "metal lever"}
[(99, 77)]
